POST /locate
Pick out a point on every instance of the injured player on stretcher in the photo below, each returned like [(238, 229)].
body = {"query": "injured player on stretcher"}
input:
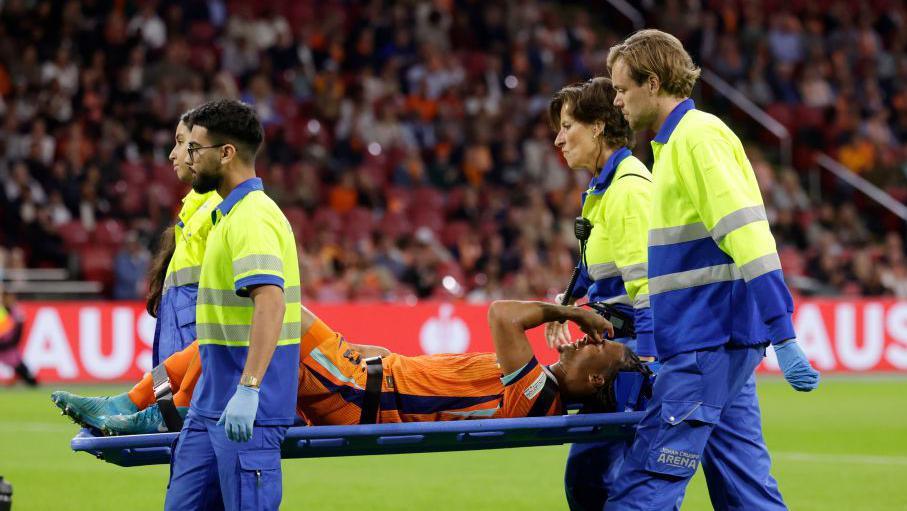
[(341, 383)]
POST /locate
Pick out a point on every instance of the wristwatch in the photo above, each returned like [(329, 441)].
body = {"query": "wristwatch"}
[(248, 380)]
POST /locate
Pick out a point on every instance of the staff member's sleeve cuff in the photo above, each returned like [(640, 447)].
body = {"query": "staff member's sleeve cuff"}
[(780, 329), (645, 344), (775, 304), (244, 285)]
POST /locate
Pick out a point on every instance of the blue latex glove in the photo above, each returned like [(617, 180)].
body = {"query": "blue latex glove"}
[(239, 415), (795, 366)]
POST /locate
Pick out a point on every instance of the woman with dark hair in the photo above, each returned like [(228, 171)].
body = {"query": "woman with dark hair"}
[(174, 272), (593, 135), (175, 269)]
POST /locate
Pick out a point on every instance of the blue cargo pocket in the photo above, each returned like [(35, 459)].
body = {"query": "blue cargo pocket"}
[(185, 321), (259, 480), (684, 431)]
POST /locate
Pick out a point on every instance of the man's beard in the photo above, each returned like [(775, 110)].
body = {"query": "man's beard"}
[(204, 183)]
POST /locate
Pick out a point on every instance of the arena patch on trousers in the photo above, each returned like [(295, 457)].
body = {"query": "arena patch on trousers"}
[(684, 430)]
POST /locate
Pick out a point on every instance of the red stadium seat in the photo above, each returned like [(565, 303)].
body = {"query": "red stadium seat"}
[(453, 199), (162, 195), (431, 219), (358, 223), (96, 264), (201, 32), (133, 201), (453, 231), (299, 221), (792, 261), (296, 216), (74, 234), (782, 113), (134, 173), (427, 197), (109, 232), (374, 173), (808, 117), (164, 175), (395, 225), (327, 219)]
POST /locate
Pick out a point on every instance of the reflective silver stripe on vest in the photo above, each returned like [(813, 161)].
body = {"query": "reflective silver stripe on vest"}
[(760, 266), (634, 271), (733, 221), (229, 298), (222, 297), (621, 299), (219, 332), (641, 302), (292, 294), (603, 271), (265, 262), (678, 234), (692, 278), (697, 230), (183, 277)]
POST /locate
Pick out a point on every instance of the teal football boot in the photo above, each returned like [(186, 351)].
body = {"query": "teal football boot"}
[(89, 412), (148, 420)]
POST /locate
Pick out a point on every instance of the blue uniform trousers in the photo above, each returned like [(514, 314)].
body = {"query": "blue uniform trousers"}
[(592, 468), (703, 409), (210, 471), (175, 327), (591, 471)]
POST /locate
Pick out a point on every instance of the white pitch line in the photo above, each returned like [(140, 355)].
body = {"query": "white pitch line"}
[(841, 458)]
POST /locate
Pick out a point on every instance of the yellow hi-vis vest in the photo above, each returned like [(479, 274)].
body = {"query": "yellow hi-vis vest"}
[(191, 234), (714, 272), (618, 203), (175, 327), (251, 244)]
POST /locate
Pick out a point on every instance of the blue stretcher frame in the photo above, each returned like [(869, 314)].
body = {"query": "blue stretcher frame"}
[(400, 438)]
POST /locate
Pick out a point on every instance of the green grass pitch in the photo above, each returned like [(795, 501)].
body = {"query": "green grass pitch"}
[(843, 447)]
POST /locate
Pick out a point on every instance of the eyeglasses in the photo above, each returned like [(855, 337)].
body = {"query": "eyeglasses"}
[(194, 149)]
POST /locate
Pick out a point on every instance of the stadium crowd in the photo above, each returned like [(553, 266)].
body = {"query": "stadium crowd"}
[(833, 72), (407, 142)]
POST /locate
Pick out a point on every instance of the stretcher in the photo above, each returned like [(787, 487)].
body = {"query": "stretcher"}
[(412, 437)]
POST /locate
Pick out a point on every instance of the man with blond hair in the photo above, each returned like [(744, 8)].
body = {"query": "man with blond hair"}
[(716, 290)]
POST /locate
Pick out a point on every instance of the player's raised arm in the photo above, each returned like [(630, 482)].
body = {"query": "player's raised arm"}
[(510, 319)]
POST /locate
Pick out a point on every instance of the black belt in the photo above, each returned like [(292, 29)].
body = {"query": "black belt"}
[(371, 401), (163, 395)]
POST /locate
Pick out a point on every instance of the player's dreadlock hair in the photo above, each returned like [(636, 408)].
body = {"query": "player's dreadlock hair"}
[(604, 400)]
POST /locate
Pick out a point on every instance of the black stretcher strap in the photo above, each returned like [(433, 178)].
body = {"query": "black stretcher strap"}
[(372, 399), (163, 395)]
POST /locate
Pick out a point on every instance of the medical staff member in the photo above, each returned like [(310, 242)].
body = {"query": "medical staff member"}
[(172, 292), (593, 135), (173, 278), (717, 293), (248, 325)]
